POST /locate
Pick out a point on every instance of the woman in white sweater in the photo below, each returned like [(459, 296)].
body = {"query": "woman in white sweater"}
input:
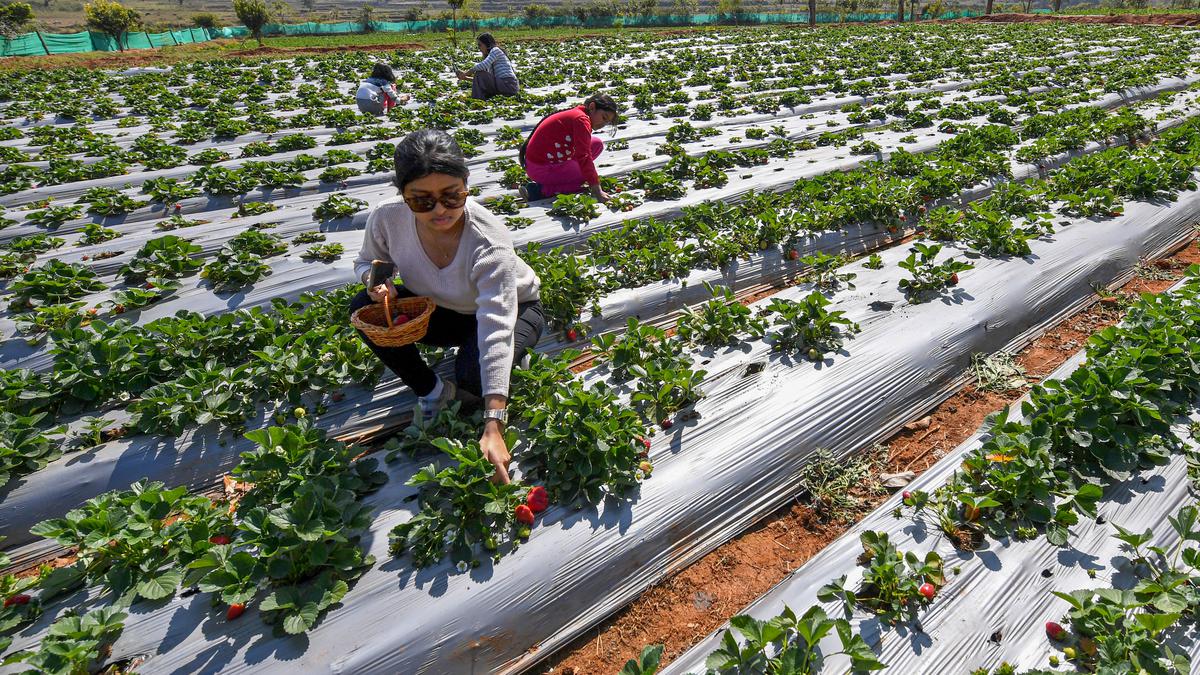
[(447, 247)]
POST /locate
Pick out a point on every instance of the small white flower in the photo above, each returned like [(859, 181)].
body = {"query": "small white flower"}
[(462, 566)]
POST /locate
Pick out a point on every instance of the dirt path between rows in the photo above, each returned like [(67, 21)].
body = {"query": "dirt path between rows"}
[(686, 607)]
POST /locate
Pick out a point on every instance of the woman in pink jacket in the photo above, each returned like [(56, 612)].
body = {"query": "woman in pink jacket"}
[(560, 155)]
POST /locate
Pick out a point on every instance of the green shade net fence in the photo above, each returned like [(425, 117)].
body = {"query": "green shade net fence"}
[(39, 44)]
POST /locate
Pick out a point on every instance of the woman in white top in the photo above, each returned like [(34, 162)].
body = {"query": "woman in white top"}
[(377, 94), (447, 247), (494, 75)]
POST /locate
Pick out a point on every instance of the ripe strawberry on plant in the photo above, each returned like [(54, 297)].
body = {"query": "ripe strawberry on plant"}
[(1054, 630), (927, 590), (572, 335), (666, 424), (524, 514), (793, 254), (219, 539), (235, 610), (537, 500), (19, 599)]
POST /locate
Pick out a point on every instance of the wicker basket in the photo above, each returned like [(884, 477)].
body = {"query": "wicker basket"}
[(376, 321)]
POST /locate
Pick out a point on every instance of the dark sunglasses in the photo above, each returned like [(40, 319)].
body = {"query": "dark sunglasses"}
[(450, 200)]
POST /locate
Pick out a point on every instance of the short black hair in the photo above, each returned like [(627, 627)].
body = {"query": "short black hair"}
[(428, 151), (487, 40), (384, 72), (603, 102)]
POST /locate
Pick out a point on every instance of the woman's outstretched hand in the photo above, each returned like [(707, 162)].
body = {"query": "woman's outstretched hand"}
[(496, 450)]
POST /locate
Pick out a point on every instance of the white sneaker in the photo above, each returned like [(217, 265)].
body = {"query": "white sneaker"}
[(428, 406), (523, 364)]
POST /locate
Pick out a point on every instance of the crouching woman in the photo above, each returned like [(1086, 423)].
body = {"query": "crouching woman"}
[(447, 247)]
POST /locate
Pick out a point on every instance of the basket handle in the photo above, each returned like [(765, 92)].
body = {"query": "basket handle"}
[(387, 310)]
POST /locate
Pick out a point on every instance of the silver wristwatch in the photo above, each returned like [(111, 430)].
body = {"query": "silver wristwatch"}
[(496, 414)]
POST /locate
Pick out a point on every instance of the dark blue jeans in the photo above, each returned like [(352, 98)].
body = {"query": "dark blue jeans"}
[(448, 328)]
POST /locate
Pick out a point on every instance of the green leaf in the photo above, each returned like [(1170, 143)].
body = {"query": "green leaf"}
[(160, 586)]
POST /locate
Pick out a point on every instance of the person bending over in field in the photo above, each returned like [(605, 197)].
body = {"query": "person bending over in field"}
[(377, 94), (560, 155), (494, 75), (446, 246)]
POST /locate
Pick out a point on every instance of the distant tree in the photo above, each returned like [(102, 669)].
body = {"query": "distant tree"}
[(812, 12), (15, 18), (254, 14), (732, 9), (535, 13), (455, 5), (366, 16), (900, 11), (111, 18), (206, 20), (935, 9), (685, 7)]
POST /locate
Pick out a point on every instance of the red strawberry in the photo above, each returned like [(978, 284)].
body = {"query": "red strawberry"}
[(93, 312), (219, 539), (1054, 630), (85, 257), (921, 209), (178, 206), (235, 610), (666, 424), (572, 335), (20, 599), (646, 442), (906, 495), (149, 285), (793, 254), (537, 500), (524, 514), (892, 229), (118, 309), (403, 318), (954, 279), (337, 396), (903, 218), (927, 590)]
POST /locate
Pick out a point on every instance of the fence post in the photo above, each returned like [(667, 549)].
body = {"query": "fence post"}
[(43, 41), (174, 39)]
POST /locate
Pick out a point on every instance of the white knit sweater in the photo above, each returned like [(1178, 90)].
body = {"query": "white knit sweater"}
[(486, 278)]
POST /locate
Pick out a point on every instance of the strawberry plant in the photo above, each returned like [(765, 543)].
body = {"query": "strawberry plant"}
[(209, 156), (578, 208), (74, 643), (894, 585), (324, 252), (36, 324), (219, 180), (258, 243), (582, 443), (822, 271), (503, 205), (52, 217), (34, 243), (254, 209), (311, 237), (293, 142), (645, 664), (337, 174), (807, 327), (153, 290), (176, 221), (517, 222), (110, 202), (94, 233), (927, 275), (788, 645), (874, 262), (25, 446), (720, 321), (624, 201), (168, 256), (136, 541), (12, 264), (51, 283), (337, 206), (460, 508), (233, 269), (569, 286)]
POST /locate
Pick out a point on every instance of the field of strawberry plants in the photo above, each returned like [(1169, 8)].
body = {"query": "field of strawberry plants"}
[(175, 245)]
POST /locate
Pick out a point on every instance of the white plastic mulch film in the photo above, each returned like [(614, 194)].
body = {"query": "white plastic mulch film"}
[(581, 565), (995, 608)]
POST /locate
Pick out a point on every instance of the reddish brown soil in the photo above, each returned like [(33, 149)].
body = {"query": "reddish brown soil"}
[(1138, 19), (689, 605)]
